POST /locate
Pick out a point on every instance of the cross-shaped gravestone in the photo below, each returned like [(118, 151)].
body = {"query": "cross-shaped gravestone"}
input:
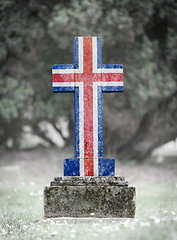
[(88, 78)]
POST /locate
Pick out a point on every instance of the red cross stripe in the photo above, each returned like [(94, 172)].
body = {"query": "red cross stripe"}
[(88, 76)]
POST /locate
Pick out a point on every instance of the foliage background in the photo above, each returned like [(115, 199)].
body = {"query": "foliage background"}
[(141, 35)]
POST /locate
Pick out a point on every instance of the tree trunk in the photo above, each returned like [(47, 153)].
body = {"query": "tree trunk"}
[(156, 127)]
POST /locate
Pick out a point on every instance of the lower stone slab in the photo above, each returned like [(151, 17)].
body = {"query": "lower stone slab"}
[(98, 197)]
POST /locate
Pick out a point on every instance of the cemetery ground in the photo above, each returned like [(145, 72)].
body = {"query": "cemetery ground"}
[(24, 174)]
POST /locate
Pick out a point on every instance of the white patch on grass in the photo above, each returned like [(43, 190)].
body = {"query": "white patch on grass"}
[(116, 227), (107, 228), (126, 223), (3, 231), (157, 220), (32, 183), (136, 220), (145, 224), (73, 235), (25, 226), (40, 193), (52, 222)]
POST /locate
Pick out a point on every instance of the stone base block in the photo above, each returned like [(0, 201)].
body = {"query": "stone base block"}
[(89, 197)]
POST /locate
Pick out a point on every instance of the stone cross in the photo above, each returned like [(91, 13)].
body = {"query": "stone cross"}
[(88, 78)]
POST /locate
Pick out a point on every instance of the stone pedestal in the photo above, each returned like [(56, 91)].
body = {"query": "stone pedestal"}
[(89, 197)]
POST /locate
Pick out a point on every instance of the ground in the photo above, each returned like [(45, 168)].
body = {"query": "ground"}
[(24, 174)]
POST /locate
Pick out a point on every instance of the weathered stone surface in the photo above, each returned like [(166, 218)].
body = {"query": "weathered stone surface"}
[(84, 181), (89, 197)]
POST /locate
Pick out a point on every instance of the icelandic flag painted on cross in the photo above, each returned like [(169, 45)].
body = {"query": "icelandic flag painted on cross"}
[(88, 78)]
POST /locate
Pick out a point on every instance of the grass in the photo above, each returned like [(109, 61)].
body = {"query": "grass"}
[(21, 216), (21, 202)]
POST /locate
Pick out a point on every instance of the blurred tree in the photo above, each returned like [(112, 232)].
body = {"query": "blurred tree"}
[(141, 35)]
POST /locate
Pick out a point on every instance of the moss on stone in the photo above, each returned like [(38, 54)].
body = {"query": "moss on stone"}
[(80, 201)]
